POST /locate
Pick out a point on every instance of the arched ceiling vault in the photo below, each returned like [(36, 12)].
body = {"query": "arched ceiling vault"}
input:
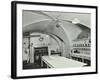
[(51, 30), (38, 21)]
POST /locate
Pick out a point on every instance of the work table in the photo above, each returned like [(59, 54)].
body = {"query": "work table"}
[(60, 62)]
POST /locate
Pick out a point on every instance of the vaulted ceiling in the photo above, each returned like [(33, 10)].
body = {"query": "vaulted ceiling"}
[(55, 23)]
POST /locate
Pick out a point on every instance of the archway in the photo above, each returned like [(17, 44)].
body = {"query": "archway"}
[(50, 27)]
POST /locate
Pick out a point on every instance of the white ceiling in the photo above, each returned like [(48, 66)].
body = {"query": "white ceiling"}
[(45, 22), (34, 16)]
